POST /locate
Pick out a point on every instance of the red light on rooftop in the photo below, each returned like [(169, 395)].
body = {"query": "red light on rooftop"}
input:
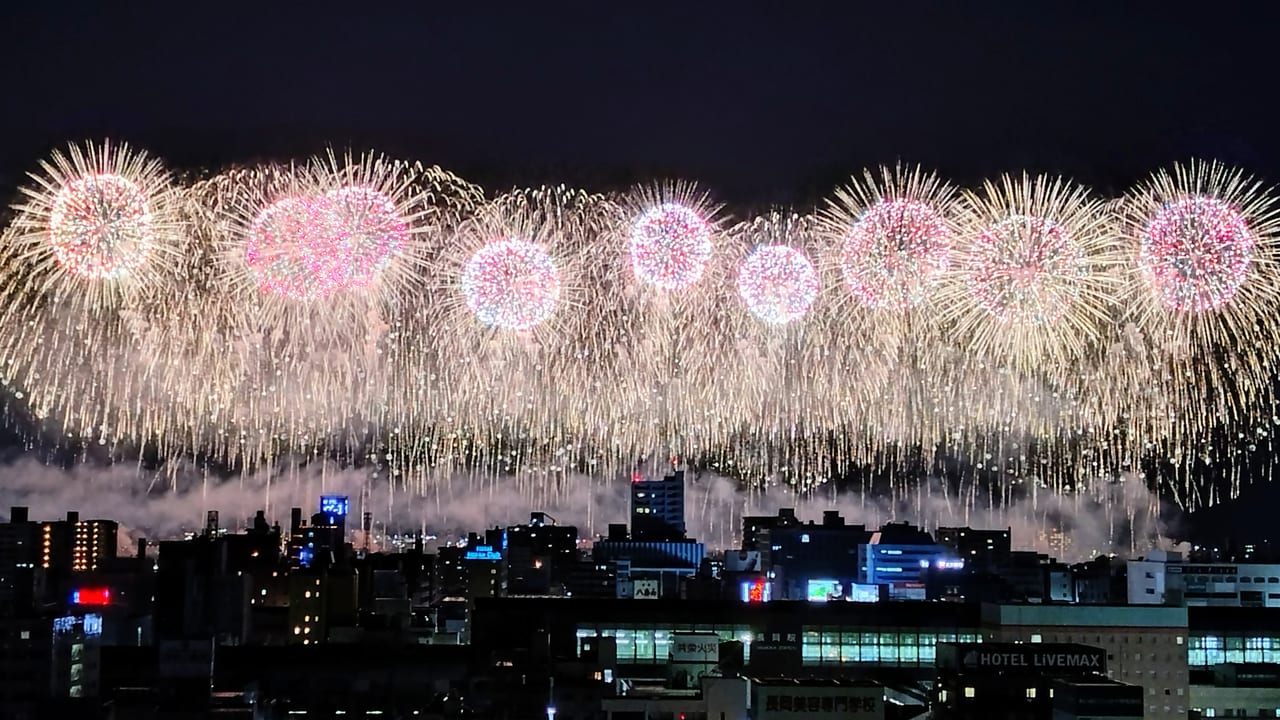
[(636, 477), (91, 596)]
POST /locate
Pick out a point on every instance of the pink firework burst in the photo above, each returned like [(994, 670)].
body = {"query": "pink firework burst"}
[(670, 246), (1196, 253), (293, 250), (778, 284), (895, 253), (512, 284), (369, 229), (1026, 270), (100, 226)]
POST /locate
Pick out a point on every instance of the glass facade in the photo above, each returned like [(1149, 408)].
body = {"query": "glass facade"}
[(645, 644), (1207, 650), (820, 645), (896, 647)]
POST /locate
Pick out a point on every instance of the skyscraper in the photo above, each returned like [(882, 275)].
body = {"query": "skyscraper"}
[(657, 508)]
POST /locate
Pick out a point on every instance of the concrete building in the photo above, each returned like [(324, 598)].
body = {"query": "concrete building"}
[(1237, 690), (995, 681), (1145, 646), (657, 508), (716, 698), (1165, 578)]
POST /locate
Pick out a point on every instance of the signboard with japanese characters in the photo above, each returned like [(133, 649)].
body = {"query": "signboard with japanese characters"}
[(819, 703), (695, 647)]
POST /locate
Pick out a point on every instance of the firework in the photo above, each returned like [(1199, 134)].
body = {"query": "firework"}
[(893, 234), (670, 246), (1196, 253), (99, 221), (1201, 312), (778, 284), (376, 311), (1035, 279), (511, 284), (89, 262)]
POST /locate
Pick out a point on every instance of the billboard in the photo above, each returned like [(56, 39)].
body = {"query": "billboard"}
[(754, 591), (695, 648), (859, 592), (823, 590), (797, 702), (91, 596), (335, 505), (645, 590)]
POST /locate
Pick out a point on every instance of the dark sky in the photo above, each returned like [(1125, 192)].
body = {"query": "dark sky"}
[(761, 104)]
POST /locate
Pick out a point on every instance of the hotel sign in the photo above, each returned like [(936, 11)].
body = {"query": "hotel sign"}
[(1032, 659)]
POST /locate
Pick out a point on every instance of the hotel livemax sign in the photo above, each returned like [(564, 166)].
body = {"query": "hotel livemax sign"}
[(1065, 659)]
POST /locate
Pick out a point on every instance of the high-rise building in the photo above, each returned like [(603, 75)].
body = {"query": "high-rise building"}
[(657, 508), (75, 545)]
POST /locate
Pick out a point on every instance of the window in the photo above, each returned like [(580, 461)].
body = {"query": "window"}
[(968, 692), (1036, 637), (1031, 693)]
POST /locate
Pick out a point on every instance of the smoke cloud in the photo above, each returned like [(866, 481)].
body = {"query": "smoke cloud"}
[(165, 504)]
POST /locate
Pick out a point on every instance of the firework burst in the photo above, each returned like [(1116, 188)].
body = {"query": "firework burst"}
[(376, 311), (1202, 309), (1034, 284), (93, 252), (893, 236)]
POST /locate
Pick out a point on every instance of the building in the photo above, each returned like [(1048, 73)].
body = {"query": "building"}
[(77, 646), (1144, 646), (809, 559), (75, 545), (754, 527), (997, 681), (983, 549), (1237, 690), (1165, 578), (715, 698), (900, 555), (540, 556), (789, 699), (657, 508), (649, 568), (320, 604)]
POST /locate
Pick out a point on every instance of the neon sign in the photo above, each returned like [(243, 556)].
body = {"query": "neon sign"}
[(335, 505), (482, 552), (91, 596)]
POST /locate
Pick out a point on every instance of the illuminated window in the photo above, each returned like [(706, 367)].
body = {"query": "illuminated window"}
[(968, 692), (1031, 693), (297, 630)]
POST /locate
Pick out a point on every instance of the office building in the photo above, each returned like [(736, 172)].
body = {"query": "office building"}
[(657, 508), (1165, 578)]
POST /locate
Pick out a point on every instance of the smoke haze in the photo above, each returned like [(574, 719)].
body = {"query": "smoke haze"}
[(163, 505)]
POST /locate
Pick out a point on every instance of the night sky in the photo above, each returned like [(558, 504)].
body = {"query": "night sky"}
[(763, 105)]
